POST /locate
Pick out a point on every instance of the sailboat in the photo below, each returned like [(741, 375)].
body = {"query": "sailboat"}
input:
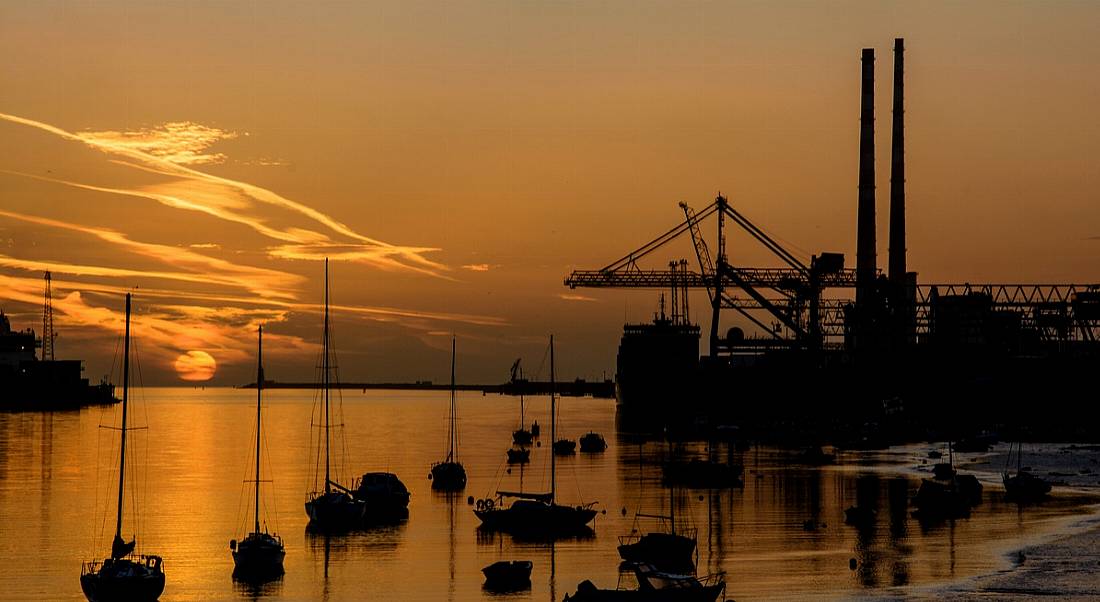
[(563, 446), (449, 475), (520, 436), (665, 550), (124, 576), (335, 507), (1022, 487), (948, 494), (260, 554), (537, 513)]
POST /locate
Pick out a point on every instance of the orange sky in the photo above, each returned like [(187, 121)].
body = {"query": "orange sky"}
[(457, 159)]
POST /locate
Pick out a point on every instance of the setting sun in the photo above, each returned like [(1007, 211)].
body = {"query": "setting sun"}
[(196, 366)]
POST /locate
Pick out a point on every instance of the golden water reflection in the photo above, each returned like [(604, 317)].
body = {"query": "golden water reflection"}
[(782, 534)]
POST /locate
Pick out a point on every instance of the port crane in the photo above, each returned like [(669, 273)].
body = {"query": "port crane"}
[(794, 295)]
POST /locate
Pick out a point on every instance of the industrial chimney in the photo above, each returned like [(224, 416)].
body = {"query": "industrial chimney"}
[(865, 212), (897, 171)]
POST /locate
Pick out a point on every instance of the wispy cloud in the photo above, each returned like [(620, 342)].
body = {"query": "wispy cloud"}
[(198, 268), (575, 297), (477, 267), (181, 142), (234, 200)]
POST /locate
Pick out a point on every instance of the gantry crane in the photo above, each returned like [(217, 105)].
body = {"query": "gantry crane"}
[(792, 295)]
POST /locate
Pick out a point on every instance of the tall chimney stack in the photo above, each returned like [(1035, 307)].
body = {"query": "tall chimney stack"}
[(865, 213), (897, 170)]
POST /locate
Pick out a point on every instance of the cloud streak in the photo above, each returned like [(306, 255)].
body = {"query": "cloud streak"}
[(199, 268), (181, 142), (228, 199)]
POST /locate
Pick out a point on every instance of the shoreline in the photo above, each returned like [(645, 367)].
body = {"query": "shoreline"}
[(1061, 564)]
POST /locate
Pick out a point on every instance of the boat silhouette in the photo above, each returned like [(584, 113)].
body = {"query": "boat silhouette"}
[(259, 555), (536, 513), (124, 576), (332, 506), (450, 475)]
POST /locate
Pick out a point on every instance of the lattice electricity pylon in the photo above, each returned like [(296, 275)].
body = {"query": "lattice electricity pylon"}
[(47, 322)]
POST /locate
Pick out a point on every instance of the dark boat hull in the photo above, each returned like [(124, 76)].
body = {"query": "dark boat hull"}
[(565, 447), (587, 592), (665, 551), (448, 476), (508, 575), (258, 557), (385, 496), (519, 456), (592, 444), (1024, 487), (522, 437), (124, 581), (537, 518), (335, 511)]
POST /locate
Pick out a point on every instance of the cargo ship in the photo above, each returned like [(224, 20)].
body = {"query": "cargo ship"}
[(656, 361), (30, 383)]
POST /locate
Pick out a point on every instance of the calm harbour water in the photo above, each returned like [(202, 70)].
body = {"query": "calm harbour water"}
[(58, 471)]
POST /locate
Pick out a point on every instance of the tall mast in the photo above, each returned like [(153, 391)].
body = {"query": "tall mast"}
[(671, 489), (125, 399), (451, 435), (259, 390), (553, 425), (325, 384)]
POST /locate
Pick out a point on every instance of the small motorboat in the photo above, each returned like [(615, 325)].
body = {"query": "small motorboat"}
[(522, 436), (565, 447), (656, 586), (665, 551), (508, 575), (519, 455), (593, 443), (386, 497), (535, 429)]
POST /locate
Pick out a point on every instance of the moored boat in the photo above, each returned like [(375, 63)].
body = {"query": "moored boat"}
[(565, 447), (655, 586), (449, 475), (1023, 487), (508, 575), (259, 555), (948, 494), (537, 514), (518, 455), (385, 496), (331, 506), (592, 443), (124, 576)]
